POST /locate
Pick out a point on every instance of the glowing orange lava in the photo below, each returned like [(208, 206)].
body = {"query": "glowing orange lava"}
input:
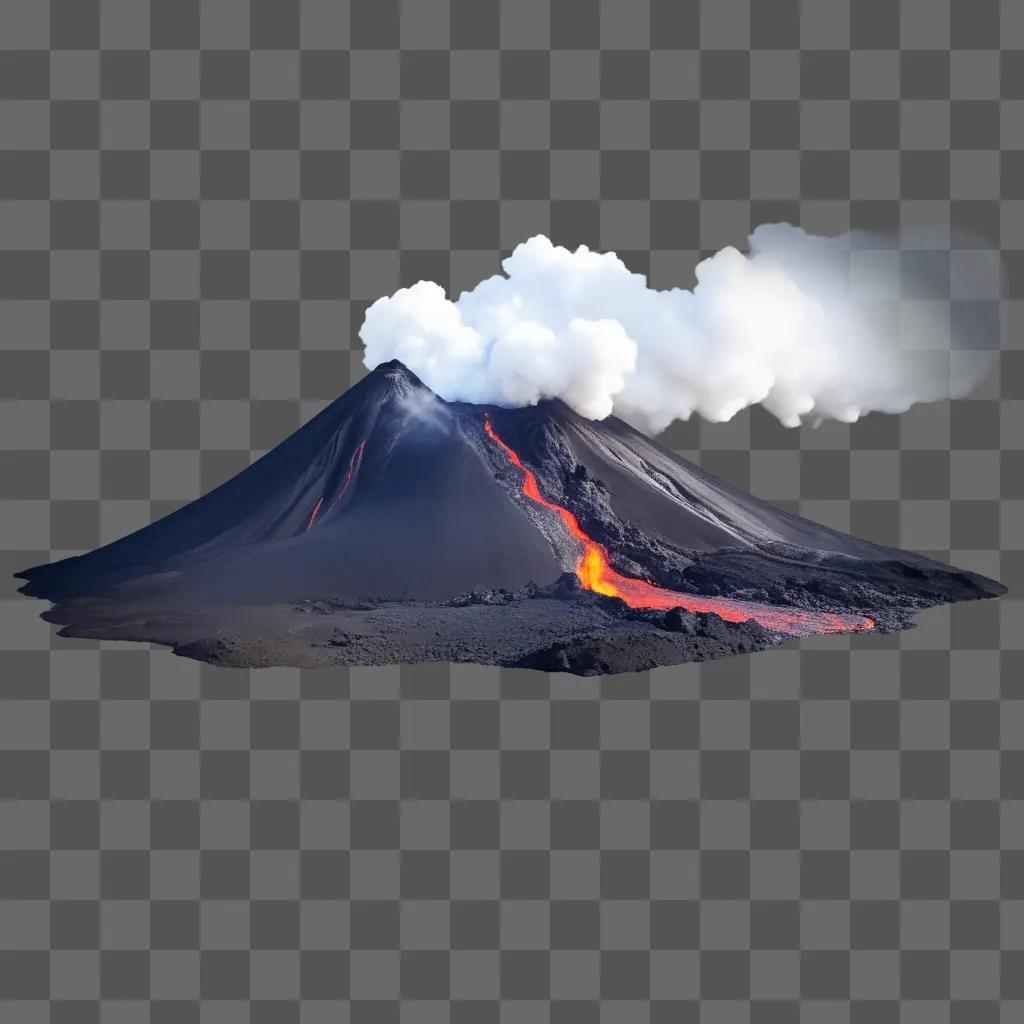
[(596, 574)]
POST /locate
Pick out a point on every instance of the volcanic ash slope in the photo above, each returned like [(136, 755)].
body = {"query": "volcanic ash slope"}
[(396, 527)]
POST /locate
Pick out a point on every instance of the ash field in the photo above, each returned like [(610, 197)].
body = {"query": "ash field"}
[(395, 527)]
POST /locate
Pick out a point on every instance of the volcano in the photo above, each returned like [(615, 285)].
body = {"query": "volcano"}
[(396, 527)]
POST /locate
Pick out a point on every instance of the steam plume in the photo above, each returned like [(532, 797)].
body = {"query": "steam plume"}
[(809, 327)]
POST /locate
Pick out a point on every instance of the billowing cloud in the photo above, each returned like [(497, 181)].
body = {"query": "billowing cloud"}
[(809, 327)]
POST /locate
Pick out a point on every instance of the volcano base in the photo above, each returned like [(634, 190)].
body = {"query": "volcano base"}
[(558, 628)]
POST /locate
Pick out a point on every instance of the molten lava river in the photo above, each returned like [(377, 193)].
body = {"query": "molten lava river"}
[(596, 574)]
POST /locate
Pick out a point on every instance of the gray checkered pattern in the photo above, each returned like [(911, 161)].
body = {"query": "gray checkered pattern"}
[(197, 201)]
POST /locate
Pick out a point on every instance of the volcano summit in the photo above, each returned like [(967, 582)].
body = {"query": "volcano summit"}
[(397, 527)]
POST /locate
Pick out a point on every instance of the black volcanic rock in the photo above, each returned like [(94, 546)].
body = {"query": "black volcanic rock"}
[(394, 520), (677, 620)]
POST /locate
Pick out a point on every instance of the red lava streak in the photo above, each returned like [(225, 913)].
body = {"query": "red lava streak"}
[(312, 518), (357, 456), (596, 574), (356, 459)]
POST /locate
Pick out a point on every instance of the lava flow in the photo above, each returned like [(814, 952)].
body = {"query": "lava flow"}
[(313, 515), (352, 467), (596, 574)]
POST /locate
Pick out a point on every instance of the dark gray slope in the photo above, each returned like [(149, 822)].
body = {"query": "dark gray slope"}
[(422, 520), (421, 516), (272, 499), (663, 518), (665, 496)]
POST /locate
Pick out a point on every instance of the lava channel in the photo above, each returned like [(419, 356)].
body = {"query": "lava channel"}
[(353, 465), (596, 574)]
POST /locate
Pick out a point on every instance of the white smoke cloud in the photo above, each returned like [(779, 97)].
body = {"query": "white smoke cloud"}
[(809, 327)]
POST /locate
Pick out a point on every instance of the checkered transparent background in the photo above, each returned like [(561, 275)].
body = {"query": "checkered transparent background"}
[(197, 202)]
